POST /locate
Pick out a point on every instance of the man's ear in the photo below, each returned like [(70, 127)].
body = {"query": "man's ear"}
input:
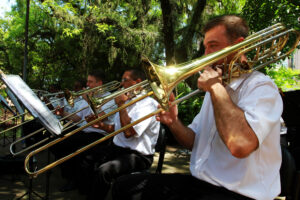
[(238, 40)]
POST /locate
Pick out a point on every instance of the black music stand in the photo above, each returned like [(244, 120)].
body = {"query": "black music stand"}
[(30, 191), (27, 129), (39, 110)]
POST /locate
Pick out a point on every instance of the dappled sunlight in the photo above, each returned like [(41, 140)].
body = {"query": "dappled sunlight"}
[(13, 186), (176, 160)]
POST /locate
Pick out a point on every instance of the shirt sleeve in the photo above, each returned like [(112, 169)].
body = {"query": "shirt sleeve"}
[(262, 107), (143, 108), (85, 112)]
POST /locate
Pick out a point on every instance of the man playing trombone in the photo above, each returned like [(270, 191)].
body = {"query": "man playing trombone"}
[(87, 135), (131, 150), (235, 139)]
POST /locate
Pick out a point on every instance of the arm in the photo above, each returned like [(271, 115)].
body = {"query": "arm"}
[(231, 123), (124, 117), (184, 135), (60, 111), (109, 128)]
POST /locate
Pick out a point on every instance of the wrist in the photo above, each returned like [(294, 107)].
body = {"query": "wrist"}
[(120, 103), (173, 124), (215, 87)]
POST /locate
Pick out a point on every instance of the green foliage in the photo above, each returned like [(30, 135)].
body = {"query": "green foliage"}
[(263, 13), (189, 108), (285, 78), (67, 39)]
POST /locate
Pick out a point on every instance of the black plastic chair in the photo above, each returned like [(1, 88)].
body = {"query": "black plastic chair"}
[(160, 147)]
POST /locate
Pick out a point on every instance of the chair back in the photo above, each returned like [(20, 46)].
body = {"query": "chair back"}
[(161, 148)]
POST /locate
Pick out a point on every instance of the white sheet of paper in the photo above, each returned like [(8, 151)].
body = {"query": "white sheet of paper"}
[(35, 106)]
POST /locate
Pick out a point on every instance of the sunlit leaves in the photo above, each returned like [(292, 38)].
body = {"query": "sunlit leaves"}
[(285, 78), (67, 32)]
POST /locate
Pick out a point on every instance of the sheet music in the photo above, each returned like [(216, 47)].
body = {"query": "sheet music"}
[(35, 106)]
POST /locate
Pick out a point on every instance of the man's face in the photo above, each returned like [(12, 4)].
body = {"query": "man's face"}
[(216, 39), (127, 81), (92, 82)]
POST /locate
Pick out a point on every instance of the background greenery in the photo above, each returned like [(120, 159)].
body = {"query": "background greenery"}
[(69, 38)]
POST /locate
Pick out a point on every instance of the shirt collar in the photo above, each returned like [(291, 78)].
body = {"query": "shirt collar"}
[(236, 82)]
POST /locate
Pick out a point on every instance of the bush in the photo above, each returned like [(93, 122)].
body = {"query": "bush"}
[(189, 108), (285, 78)]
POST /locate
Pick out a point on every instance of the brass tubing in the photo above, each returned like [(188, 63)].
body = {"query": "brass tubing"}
[(57, 162), (36, 173), (105, 88), (45, 139), (164, 79), (283, 37), (100, 101), (37, 131), (106, 99), (111, 85), (18, 125)]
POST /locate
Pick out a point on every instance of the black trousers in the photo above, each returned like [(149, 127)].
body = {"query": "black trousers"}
[(169, 187), (99, 170)]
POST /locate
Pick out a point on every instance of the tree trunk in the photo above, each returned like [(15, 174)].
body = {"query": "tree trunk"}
[(183, 53), (168, 31)]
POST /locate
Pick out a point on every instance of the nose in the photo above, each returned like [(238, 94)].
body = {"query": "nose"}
[(207, 51)]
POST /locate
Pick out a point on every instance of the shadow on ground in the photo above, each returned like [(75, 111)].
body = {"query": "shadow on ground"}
[(14, 184)]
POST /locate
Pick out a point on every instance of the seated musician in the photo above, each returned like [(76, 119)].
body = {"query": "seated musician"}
[(235, 139), (81, 138), (55, 100), (132, 150)]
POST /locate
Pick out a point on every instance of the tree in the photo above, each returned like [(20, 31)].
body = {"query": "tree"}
[(68, 38)]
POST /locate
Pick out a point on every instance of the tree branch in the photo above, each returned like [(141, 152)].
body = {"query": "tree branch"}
[(194, 25)]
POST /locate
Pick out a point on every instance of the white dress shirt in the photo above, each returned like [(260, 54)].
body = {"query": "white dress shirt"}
[(80, 103), (256, 176), (147, 131), (107, 108)]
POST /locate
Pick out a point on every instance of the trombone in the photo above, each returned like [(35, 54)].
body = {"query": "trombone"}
[(38, 131), (18, 116), (70, 96), (164, 79), (268, 44), (110, 86), (96, 102)]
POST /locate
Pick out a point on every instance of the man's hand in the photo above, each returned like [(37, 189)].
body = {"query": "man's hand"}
[(120, 100), (92, 117), (208, 78), (168, 117), (59, 111)]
